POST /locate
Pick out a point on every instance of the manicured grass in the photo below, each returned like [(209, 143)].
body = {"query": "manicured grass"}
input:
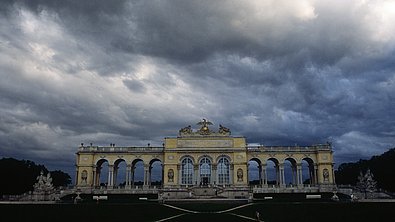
[(208, 217), (85, 212), (316, 211), (150, 211), (205, 206)]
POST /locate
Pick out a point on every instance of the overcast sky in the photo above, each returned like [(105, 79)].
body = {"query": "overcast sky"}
[(278, 72)]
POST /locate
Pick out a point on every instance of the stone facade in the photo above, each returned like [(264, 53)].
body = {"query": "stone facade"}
[(205, 158)]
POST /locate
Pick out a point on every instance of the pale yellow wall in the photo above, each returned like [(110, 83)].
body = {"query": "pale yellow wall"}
[(172, 156)]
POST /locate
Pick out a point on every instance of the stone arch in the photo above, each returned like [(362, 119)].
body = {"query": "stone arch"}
[(254, 169), (308, 176), (120, 169), (205, 156), (101, 172), (223, 155), (137, 172), (187, 156), (272, 171), (290, 171), (155, 172), (100, 161)]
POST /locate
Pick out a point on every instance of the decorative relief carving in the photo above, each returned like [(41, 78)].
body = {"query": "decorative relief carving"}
[(205, 143)]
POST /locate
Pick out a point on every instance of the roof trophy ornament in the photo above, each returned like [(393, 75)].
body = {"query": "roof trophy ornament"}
[(204, 130), (186, 130), (223, 130)]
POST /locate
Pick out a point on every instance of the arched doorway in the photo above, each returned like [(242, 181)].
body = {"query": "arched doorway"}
[(102, 175), (273, 172), (120, 173), (290, 172), (137, 173), (254, 172), (156, 173), (308, 171)]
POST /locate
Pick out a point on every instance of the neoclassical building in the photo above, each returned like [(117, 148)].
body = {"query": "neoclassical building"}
[(208, 162)]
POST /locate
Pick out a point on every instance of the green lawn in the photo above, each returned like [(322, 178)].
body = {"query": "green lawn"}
[(150, 211), (316, 211)]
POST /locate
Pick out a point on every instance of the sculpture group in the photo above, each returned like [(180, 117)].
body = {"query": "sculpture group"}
[(204, 129)]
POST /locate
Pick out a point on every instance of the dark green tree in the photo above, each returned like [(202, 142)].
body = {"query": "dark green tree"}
[(381, 166), (60, 178), (19, 176)]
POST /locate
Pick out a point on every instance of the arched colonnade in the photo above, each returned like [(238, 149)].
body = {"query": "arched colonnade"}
[(280, 167), (129, 177)]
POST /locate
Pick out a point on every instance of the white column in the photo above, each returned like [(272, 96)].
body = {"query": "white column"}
[(213, 174), (115, 175), (179, 174), (146, 174), (231, 172), (278, 180), (282, 177), (196, 175), (299, 174), (98, 174), (132, 175), (94, 176), (110, 175), (127, 179), (264, 175), (149, 175)]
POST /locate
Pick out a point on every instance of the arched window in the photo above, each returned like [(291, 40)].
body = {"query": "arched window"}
[(186, 171), (223, 169), (205, 171)]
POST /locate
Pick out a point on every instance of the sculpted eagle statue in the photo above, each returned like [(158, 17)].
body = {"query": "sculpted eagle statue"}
[(204, 123), (204, 129)]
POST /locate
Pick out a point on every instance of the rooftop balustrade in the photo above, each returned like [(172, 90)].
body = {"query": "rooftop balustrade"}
[(119, 149)]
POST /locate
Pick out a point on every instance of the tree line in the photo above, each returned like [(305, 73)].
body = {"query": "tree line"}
[(19, 176), (382, 168)]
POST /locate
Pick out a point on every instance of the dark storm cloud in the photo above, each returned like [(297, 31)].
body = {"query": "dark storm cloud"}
[(133, 72)]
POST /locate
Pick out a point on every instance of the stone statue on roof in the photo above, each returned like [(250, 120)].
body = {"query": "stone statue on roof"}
[(223, 130), (204, 130), (186, 130)]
